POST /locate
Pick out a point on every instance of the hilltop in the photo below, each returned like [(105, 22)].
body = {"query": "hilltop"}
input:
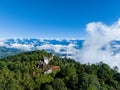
[(21, 72)]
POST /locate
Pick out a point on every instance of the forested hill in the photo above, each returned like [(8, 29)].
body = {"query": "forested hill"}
[(5, 51), (23, 72)]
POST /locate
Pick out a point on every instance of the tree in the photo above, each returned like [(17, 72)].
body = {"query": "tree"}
[(47, 87), (58, 84)]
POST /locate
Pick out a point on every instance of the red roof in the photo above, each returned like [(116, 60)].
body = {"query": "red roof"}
[(55, 67)]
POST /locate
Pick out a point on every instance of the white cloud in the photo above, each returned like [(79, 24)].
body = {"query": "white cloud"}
[(100, 35), (22, 46), (25, 47), (69, 49), (2, 43)]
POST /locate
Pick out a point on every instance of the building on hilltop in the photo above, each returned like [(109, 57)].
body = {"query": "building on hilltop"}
[(44, 64), (47, 60), (51, 69)]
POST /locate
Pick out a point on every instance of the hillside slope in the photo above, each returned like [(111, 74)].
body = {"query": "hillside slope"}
[(20, 72), (4, 51)]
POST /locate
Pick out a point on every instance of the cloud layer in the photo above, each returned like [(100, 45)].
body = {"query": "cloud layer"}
[(97, 46), (59, 46), (102, 44)]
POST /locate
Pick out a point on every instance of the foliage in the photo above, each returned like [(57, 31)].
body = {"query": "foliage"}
[(19, 72)]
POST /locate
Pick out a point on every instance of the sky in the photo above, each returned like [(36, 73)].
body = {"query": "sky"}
[(54, 18)]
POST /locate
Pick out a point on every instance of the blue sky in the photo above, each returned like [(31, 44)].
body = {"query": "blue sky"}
[(54, 18)]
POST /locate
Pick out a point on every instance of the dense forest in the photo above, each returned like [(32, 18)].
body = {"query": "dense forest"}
[(20, 72)]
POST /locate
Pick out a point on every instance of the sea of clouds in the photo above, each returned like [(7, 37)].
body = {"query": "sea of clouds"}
[(59, 46), (99, 35)]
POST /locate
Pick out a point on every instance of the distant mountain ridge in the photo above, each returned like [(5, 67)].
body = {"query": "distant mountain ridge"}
[(4, 51), (62, 47)]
